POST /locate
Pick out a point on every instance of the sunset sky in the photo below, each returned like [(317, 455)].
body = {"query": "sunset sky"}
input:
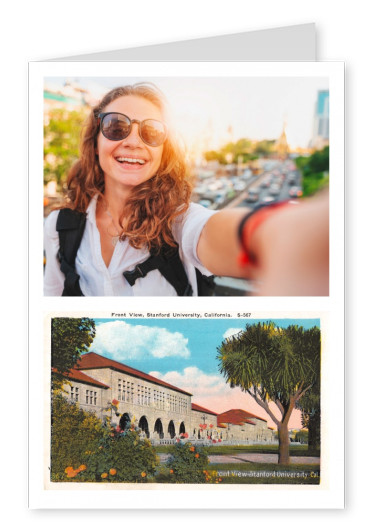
[(203, 109)]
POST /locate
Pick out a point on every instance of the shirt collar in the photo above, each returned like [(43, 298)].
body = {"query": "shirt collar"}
[(92, 209)]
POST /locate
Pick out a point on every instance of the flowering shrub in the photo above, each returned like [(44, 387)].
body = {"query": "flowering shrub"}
[(121, 457), (74, 435), (82, 450), (212, 476), (187, 463)]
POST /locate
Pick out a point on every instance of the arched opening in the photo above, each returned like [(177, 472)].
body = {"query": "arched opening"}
[(171, 429), (158, 428), (124, 420), (181, 428), (143, 424)]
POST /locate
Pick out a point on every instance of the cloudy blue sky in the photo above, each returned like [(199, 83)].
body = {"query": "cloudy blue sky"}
[(182, 352)]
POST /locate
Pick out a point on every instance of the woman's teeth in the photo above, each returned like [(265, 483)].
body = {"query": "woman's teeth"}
[(130, 161)]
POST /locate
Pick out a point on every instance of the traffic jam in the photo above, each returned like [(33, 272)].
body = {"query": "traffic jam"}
[(275, 181)]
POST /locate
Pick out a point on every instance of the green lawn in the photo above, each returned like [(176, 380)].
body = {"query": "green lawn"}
[(301, 450)]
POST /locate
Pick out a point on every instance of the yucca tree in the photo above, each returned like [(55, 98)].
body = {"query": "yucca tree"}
[(275, 365)]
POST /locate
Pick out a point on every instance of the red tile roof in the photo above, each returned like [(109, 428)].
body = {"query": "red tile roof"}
[(79, 376), (196, 407), (95, 361), (237, 416), (245, 414)]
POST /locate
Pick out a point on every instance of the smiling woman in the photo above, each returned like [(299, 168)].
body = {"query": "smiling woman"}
[(134, 227), (127, 227)]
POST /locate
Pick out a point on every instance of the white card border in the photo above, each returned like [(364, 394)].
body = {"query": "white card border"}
[(333, 305)]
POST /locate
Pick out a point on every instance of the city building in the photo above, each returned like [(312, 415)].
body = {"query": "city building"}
[(281, 146), (162, 411), (320, 136), (68, 97)]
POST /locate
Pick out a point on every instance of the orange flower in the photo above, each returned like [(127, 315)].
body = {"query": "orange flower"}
[(220, 479), (68, 469), (104, 475), (197, 455), (171, 471), (72, 473), (192, 448), (112, 471), (81, 468), (143, 474)]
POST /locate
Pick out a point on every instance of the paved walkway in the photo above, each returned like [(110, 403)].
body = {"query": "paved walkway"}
[(254, 458)]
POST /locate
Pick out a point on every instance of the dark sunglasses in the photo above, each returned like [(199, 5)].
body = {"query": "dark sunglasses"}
[(117, 126)]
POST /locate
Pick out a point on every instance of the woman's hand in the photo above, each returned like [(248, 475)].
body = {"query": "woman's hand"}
[(292, 249)]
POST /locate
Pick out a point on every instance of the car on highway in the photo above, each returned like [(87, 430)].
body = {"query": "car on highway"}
[(266, 183), (220, 198), (253, 196), (268, 199), (274, 189), (205, 203), (239, 186), (295, 191), (247, 174)]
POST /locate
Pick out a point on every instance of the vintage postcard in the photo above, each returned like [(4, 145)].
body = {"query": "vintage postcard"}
[(185, 401)]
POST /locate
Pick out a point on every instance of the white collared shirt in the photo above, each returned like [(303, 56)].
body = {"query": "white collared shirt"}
[(96, 279)]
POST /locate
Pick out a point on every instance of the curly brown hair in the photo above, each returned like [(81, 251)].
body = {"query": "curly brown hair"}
[(153, 205)]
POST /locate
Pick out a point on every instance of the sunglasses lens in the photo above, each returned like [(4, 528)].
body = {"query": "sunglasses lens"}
[(153, 132), (116, 126)]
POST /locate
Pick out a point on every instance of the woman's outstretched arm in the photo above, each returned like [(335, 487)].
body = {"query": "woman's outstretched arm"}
[(218, 246), (290, 247)]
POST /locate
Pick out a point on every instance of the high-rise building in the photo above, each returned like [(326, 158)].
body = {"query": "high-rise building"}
[(320, 136)]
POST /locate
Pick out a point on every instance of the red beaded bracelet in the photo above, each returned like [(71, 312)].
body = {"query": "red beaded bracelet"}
[(247, 227)]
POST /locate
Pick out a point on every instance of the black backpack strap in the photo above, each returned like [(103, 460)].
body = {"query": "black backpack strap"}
[(205, 284), (168, 262), (70, 225)]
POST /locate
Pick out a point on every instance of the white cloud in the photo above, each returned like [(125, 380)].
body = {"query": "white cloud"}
[(231, 332), (195, 381), (125, 341)]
